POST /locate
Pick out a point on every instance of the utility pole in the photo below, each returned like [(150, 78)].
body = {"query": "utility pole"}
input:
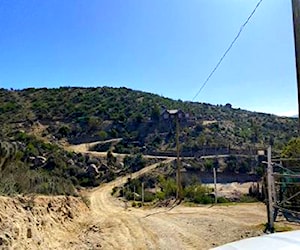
[(178, 175), (270, 185), (215, 184), (296, 21), (143, 194)]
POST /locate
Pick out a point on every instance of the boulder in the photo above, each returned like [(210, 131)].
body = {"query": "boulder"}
[(40, 160), (92, 169)]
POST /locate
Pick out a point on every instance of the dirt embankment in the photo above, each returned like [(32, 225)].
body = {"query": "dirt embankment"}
[(40, 222)]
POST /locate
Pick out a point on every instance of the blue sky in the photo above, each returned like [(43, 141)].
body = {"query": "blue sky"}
[(167, 47)]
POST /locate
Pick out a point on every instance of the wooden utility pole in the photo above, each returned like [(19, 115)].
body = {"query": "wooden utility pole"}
[(143, 194), (178, 175), (296, 21), (215, 184), (270, 185)]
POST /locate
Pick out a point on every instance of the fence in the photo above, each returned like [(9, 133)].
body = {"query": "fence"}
[(282, 189)]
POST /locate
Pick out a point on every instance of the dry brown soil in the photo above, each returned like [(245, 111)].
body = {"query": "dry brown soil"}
[(66, 223)]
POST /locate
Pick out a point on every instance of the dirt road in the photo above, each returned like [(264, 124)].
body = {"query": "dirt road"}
[(182, 227), (85, 149), (160, 228), (66, 223)]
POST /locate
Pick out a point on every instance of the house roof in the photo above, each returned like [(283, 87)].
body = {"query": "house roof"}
[(173, 111)]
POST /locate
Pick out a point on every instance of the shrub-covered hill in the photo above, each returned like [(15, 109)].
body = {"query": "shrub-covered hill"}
[(88, 114), (29, 165)]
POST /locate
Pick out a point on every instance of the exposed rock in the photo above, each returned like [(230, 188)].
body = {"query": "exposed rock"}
[(92, 169), (40, 160), (70, 162), (31, 158)]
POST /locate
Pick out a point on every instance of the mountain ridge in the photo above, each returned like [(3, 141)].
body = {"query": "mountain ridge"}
[(87, 114)]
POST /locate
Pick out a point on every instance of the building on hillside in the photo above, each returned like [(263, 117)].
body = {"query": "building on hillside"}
[(167, 119), (169, 114)]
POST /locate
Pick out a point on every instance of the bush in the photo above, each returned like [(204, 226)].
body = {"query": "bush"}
[(160, 195), (169, 187), (202, 199), (246, 198), (222, 200), (134, 163), (114, 190), (128, 195), (198, 194), (148, 196), (208, 164)]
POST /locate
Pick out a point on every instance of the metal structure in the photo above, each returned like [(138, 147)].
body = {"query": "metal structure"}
[(282, 186)]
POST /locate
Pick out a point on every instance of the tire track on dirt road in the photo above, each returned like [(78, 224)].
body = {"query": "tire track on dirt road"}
[(121, 229), (180, 228)]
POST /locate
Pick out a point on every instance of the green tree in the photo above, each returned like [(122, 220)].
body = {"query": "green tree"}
[(155, 114), (102, 134), (111, 160), (292, 149)]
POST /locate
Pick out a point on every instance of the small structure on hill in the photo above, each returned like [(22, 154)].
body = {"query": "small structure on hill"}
[(168, 114)]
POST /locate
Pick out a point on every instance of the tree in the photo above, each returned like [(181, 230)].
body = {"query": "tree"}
[(232, 165), (102, 134), (292, 149), (138, 118), (111, 160), (155, 114), (134, 163)]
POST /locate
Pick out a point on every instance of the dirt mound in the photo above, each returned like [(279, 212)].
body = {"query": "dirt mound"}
[(40, 222)]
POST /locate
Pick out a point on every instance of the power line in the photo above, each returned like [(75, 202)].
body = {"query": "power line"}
[(229, 48)]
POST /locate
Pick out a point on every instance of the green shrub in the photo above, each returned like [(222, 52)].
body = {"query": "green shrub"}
[(160, 196), (114, 190), (128, 195), (222, 200), (134, 163), (246, 198), (198, 194), (169, 187), (148, 196), (202, 199)]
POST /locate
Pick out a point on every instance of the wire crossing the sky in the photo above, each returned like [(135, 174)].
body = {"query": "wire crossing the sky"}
[(229, 48)]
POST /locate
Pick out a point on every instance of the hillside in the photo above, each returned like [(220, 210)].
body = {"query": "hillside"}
[(45, 148), (80, 115), (37, 125)]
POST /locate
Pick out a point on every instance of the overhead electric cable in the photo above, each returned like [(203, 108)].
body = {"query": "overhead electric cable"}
[(229, 48)]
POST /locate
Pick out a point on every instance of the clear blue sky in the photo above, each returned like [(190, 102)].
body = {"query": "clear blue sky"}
[(166, 47)]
